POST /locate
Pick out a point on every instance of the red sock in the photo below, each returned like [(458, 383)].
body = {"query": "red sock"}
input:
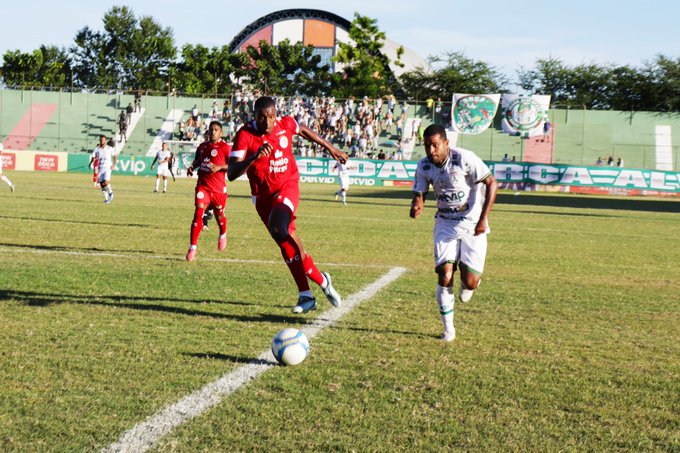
[(291, 255), (311, 270), (197, 225), (221, 219)]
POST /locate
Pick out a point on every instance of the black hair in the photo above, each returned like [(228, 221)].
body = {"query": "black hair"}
[(215, 122), (264, 102), (435, 129)]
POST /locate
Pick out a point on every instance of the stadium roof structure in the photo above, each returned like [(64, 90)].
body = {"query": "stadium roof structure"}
[(321, 29)]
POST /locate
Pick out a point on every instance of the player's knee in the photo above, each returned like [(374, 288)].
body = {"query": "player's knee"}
[(278, 232)]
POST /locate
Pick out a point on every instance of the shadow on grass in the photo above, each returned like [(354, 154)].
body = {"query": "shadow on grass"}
[(76, 222), (380, 331), (36, 299), (530, 199), (55, 248), (590, 202), (229, 358)]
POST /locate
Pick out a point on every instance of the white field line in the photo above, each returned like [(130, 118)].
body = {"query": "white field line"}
[(146, 434), (28, 249)]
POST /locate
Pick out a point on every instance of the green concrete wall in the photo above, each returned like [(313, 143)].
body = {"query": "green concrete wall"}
[(580, 136)]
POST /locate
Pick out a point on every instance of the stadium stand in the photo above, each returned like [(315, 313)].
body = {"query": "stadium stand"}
[(42, 120)]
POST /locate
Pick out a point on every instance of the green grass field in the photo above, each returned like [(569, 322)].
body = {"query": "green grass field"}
[(571, 343)]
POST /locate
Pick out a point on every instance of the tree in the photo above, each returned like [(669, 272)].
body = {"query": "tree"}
[(46, 66), (130, 53), (285, 69), (364, 68), (454, 73), (204, 70)]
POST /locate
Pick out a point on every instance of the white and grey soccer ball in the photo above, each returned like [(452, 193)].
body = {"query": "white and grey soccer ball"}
[(290, 346)]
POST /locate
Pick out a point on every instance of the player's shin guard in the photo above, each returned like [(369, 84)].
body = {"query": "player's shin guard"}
[(312, 271), (197, 225), (291, 255), (445, 302)]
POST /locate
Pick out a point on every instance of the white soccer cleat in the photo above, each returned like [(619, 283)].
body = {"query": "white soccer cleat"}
[(448, 336), (331, 294)]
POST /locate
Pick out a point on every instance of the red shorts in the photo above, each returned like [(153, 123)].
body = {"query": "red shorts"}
[(210, 199), (287, 197)]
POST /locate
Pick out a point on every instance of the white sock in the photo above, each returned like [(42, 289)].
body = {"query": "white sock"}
[(344, 196), (445, 301), (157, 185), (165, 185), (109, 189), (7, 181), (106, 195)]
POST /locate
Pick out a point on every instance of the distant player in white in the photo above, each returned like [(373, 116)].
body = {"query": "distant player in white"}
[(465, 190), (3, 177), (106, 156), (163, 159), (343, 179)]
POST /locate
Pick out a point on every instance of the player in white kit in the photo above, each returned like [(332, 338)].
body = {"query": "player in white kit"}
[(4, 178), (465, 191), (343, 180), (163, 158), (106, 159)]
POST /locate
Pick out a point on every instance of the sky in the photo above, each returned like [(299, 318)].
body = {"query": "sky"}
[(505, 34)]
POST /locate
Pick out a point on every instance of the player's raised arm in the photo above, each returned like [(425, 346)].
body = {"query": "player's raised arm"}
[(312, 136)]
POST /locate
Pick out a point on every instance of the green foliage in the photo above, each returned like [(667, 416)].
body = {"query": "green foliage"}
[(453, 73), (204, 70), (364, 68), (130, 53), (652, 87), (285, 69), (47, 66)]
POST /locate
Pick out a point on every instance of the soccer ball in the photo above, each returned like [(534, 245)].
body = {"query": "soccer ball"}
[(290, 346)]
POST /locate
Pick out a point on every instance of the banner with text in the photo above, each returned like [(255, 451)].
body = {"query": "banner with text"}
[(473, 113), (510, 175), (568, 175), (524, 115)]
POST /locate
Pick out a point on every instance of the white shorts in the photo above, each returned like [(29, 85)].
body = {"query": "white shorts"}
[(163, 170), (470, 250), (104, 176), (344, 182)]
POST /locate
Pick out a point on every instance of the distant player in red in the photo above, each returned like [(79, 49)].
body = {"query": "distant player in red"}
[(211, 162), (263, 150)]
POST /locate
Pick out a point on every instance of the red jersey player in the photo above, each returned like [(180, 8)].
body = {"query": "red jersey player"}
[(211, 189), (263, 150)]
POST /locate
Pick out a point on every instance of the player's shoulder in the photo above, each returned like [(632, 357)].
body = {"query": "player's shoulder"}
[(224, 145), (288, 122), (462, 155)]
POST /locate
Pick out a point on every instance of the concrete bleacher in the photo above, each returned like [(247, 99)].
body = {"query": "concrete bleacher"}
[(72, 122)]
